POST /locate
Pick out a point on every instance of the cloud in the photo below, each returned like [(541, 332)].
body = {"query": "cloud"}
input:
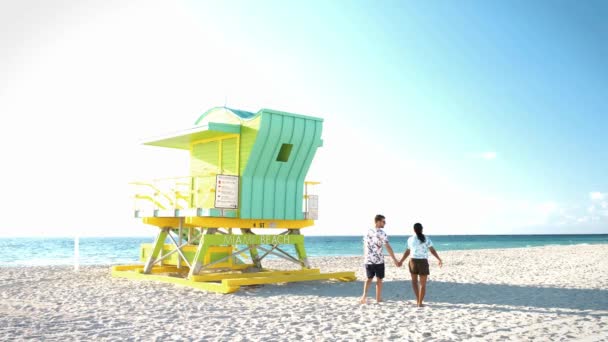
[(489, 155), (590, 217), (597, 196), (599, 205)]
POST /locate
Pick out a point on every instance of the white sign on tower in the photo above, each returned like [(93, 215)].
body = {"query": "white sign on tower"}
[(226, 192)]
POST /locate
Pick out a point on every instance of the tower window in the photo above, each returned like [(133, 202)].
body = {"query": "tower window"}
[(284, 152)]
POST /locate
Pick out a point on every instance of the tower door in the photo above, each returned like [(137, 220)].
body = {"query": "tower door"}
[(207, 160), (204, 166)]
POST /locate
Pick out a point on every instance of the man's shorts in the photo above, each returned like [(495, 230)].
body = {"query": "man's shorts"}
[(419, 266), (374, 270)]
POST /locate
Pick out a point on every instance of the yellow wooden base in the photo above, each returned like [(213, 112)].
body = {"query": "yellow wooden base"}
[(208, 286), (240, 275), (189, 251), (342, 276), (226, 282)]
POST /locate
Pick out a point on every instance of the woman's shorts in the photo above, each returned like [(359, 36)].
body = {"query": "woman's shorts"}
[(419, 266)]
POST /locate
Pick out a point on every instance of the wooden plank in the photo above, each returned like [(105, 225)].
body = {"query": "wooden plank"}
[(222, 276), (343, 276), (127, 267), (213, 287), (140, 268), (162, 221)]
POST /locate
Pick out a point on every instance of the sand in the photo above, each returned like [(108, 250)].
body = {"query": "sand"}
[(544, 293)]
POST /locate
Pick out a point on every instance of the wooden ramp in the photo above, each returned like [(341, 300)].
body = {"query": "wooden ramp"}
[(225, 282)]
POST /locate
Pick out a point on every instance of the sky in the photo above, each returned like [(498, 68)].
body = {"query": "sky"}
[(471, 118)]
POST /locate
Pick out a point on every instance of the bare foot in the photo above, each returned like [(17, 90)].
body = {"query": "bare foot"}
[(362, 300), (420, 305), (379, 300)]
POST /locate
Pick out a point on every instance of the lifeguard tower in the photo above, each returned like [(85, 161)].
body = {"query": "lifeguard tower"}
[(245, 199)]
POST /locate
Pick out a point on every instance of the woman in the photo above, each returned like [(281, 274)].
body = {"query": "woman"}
[(419, 246)]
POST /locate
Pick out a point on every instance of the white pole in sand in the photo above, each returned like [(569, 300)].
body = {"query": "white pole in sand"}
[(76, 256)]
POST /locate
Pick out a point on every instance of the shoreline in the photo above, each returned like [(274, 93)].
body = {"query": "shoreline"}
[(324, 256)]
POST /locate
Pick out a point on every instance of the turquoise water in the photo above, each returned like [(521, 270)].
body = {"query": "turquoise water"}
[(105, 251)]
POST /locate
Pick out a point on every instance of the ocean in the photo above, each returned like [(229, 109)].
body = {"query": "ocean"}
[(125, 250)]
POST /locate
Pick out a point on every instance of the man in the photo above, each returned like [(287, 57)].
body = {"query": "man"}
[(374, 259)]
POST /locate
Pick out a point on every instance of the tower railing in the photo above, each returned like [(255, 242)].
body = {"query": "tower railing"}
[(173, 193), (193, 192)]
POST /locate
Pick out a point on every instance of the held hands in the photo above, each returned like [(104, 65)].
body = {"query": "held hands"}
[(400, 262)]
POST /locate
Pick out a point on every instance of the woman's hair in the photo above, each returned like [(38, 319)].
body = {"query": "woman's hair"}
[(418, 230)]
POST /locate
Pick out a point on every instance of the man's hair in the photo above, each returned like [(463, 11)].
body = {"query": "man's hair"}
[(379, 218)]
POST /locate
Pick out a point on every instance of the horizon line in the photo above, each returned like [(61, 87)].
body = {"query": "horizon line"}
[(357, 235)]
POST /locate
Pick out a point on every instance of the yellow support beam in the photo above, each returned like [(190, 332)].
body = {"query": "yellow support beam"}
[(226, 222), (155, 269), (223, 276), (162, 221), (127, 267), (213, 287), (342, 276), (226, 282), (221, 137)]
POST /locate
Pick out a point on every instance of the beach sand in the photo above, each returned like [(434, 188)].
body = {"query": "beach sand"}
[(545, 293)]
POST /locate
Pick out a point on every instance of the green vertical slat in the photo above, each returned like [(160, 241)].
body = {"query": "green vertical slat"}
[(275, 181), (256, 168), (269, 155), (260, 179), (292, 136), (249, 137), (257, 190), (316, 142), (292, 174), (247, 186), (293, 202)]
